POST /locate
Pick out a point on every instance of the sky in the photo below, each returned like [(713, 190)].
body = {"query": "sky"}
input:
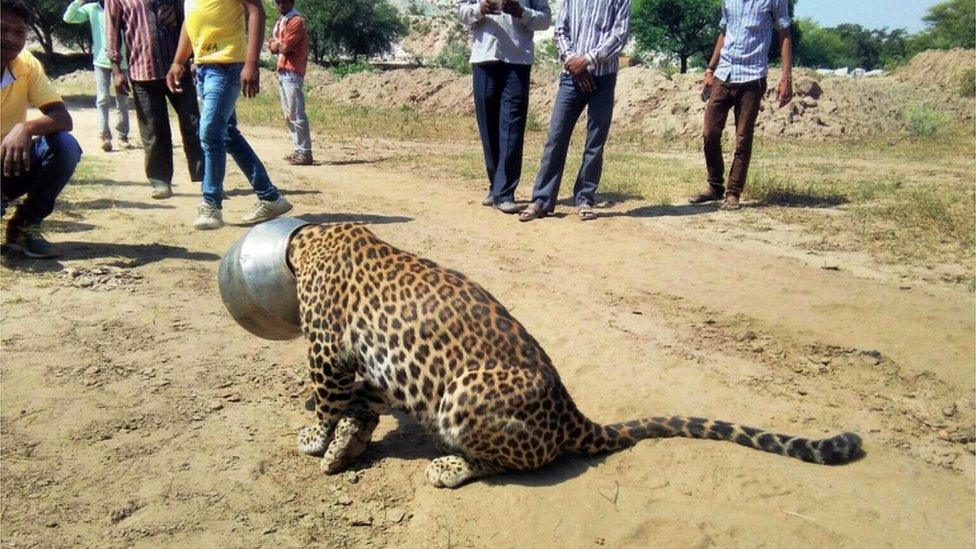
[(867, 13)]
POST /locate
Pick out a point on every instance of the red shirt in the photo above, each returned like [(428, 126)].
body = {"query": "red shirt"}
[(292, 38)]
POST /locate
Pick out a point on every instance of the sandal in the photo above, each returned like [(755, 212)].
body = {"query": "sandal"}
[(534, 211), (707, 196), (586, 213)]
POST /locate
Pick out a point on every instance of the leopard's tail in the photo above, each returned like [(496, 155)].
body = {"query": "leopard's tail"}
[(828, 451)]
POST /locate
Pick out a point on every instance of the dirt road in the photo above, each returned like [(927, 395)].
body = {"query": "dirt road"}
[(135, 412)]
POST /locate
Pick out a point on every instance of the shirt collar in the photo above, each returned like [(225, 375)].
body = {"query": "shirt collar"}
[(291, 13), (8, 76)]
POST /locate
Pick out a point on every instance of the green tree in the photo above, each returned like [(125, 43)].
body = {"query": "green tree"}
[(351, 28), (951, 24), (48, 25), (683, 28)]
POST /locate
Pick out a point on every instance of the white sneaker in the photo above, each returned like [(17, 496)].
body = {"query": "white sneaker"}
[(208, 217), (267, 209)]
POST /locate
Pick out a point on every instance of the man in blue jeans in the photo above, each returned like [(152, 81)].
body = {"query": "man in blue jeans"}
[(226, 55), (590, 34), (38, 156)]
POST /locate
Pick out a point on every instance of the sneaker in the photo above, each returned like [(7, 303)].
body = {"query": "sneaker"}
[(511, 207), (107, 144), (31, 243), (208, 217), (125, 144), (161, 191), (488, 200), (267, 209), (301, 159)]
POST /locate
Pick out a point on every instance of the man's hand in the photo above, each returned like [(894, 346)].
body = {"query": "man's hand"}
[(250, 80), (513, 8), (174, 78), (709, 79), (487, 7), (121, 82), (784, 91), (585, 82), (15, 151), (273, 46), (576, 65)]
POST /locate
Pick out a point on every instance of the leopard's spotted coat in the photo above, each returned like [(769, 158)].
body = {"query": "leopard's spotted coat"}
[(430, 342)]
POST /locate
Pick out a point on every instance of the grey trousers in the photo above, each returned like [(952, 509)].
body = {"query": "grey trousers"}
[(293, 105), (569, 105), (103, 104)]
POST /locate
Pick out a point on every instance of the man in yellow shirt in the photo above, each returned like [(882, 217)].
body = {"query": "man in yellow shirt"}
[(38, 156), (227, 66)]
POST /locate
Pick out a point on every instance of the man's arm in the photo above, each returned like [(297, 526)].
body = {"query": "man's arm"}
[(781, 20), (291, 35), (16, 146), (561, 32), (784, 92), (713, 62), (74, 14), (538, 17), (470, 12), (174, 77), (614, 43), (250, 75), (113, 48)]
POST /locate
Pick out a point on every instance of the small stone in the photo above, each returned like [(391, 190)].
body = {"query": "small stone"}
[(361, 520), (749, 336), (51, 524), (232, 397), (92, 370), (216, 406), (949, 410), (345, 501), (802, 392), (269, 530), (395, 514), (352, 477)]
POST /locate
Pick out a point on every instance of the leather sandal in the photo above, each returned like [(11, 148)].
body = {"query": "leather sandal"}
[(534, 211), (707, 196), (586, 213)]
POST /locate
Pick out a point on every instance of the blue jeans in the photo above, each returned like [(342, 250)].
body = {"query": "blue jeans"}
[(218, 87), (501, 104), (293, 104), (569, 105), (53, 161)]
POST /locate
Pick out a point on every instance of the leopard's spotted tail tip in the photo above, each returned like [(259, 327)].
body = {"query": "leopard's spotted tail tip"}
[(839, 449)]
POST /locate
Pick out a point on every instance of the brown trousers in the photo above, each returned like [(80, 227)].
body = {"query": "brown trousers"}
[(745, 98)]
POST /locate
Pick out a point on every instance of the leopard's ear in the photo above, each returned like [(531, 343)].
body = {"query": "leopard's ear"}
[(298, 244)]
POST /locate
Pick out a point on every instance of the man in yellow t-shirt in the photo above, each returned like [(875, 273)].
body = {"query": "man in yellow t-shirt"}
[(38, 156), (227, 65)]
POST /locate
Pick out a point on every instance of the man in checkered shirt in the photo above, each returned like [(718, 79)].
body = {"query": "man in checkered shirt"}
[(736, 80)]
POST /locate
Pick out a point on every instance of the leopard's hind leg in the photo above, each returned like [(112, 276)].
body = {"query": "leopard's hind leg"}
[(453, 471)]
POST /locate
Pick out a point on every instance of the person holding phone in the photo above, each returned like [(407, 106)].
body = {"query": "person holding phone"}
[(225, 38), (590, 34), (501, 63), (736, 80)]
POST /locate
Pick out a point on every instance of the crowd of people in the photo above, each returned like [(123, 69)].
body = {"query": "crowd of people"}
[(200, 56)]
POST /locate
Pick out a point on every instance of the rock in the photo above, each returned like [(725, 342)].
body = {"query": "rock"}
[(809, 102), (949, 410), (352, 477), (749, 335), (269, 530), (808, 87), (361, 520), (345, 501), (395, 515)]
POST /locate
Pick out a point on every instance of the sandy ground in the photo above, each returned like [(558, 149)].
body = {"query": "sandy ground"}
[(136, 412)]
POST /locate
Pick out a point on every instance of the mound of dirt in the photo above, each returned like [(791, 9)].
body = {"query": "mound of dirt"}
[(938, 68)]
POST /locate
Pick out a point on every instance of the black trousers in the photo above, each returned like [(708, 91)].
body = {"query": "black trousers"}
[(150, 98), (501, 105)]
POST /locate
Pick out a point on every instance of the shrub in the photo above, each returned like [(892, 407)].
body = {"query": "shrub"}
[(967, 83), (925, 120), (345, 68), (454, 56)]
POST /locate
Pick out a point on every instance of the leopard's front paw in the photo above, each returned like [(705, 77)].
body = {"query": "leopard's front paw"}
[(350, 441), (313, 440)]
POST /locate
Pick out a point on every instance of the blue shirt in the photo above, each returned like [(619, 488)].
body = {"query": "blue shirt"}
[(748, 27), (597, 29)]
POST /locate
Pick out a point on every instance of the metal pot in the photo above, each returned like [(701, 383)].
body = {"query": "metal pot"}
[(256, 284)]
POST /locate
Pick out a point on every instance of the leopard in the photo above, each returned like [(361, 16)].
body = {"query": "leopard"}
[(387, 330)]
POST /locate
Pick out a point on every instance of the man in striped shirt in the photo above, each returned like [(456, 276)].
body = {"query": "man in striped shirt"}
[(590, 34), (152, 30), (736, 79)]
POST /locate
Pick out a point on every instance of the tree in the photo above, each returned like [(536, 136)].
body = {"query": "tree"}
[(48, 25), (951, 24), (351, 28), (684, 28)]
